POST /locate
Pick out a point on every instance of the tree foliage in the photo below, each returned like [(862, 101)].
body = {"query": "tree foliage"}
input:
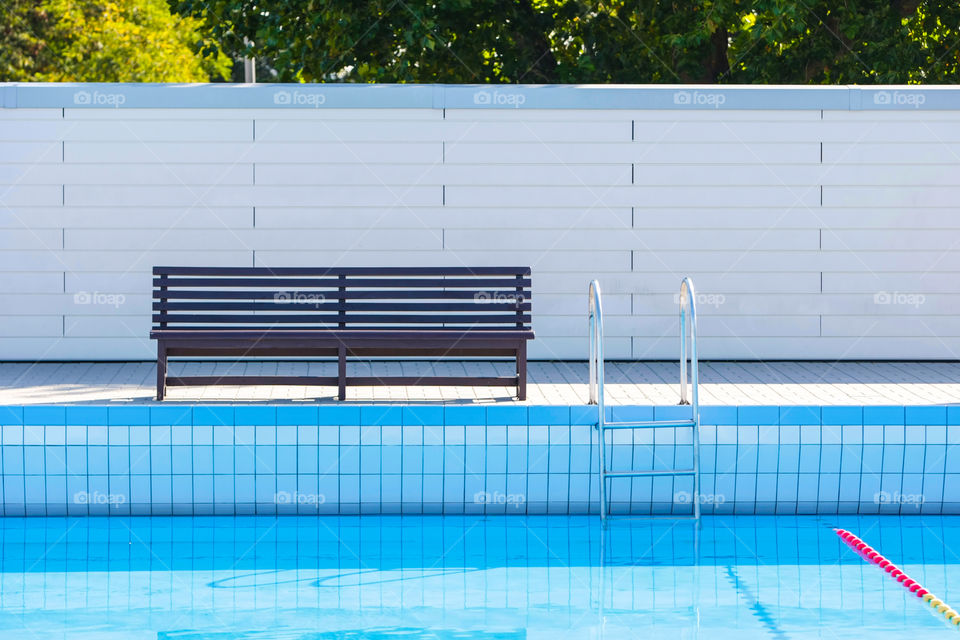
[(102, 41), (615, 41)]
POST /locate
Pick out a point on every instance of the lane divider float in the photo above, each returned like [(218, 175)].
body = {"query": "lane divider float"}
[(906, 581)]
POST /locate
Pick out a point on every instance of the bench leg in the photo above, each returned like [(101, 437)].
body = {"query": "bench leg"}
[(161, 370), (342, 373), (522, 372)]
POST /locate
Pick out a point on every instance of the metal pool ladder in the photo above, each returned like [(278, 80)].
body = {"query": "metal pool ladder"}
[(688, 317)]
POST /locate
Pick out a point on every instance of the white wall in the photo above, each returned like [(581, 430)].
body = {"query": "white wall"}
[(810, 233)]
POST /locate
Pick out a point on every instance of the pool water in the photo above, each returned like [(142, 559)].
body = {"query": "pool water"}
[(309, 578)]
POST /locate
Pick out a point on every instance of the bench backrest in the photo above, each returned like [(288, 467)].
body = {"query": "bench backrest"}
[(482, 298)]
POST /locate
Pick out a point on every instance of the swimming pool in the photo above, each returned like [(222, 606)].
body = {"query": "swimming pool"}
[(431, 577)]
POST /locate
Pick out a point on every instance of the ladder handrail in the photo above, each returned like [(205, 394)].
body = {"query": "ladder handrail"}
[(688, 333), (688, 310)]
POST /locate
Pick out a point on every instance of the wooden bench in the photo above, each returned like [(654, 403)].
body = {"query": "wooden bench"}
[(364, 312)]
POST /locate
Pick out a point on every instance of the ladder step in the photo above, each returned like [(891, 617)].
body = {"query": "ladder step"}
[(651, 472), (649, 424)]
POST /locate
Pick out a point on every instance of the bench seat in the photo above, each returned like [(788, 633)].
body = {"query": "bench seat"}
[(426, 313)]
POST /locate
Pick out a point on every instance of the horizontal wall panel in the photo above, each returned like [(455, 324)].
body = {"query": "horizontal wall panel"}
[(27, 239), (12, 195), (916, 324), (728, 239), (126, 174), (640, 115), (896, 196), (890, 240), (542, 262), (111, 217), (237, 196), (691, 196), (250, 239), (832, 175), (436, 174), (127, 130), (799, 218), (31, 326), (382, 114), (890, 153), (112, 348), (922, 282), (119, 259), (33, 114), (871, 263), (860, 131), (447, 217), (450, 131), (31, 152), (221, 152), (709, 324), (104, 327), (669, 283), (91, 303), (647, 153), (27, 282), (769, 303)]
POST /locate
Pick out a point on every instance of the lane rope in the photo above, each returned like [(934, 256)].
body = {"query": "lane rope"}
[(870, 555)]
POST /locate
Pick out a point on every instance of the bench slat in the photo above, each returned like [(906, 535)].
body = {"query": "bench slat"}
[(328, 271), (511, 307), (367, 294), (324, 283), (313, 319)]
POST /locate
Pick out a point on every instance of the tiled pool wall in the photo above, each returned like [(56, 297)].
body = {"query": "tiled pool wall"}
[(161, 460)]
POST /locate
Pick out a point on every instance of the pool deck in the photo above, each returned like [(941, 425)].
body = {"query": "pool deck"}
[(550, 383)]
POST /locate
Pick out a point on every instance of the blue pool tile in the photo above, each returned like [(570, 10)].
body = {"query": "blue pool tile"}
[(467, 416), (883, 415), (297, 415), (584, 415), (953, 415), (127, 416), (841, 415), (169, 416), (926, 416), (800, 415), (46, 415), (630, 413), (413, 416), (672, 412), (87, 416), (252, 415), (719, 415), (11, 415), (338, 416), (547, 415), (762, 415), (506, 415)]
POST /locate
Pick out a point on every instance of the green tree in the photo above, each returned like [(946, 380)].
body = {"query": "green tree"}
[(102, 41), (656, 41)]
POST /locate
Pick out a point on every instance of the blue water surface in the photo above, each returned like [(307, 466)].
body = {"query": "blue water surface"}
[(413, 578)]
